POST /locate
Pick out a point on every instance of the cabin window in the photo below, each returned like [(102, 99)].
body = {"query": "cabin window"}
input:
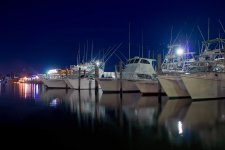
[(136, 61), (145, 61)]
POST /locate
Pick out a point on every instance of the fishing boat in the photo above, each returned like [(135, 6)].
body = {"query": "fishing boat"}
[(136, 69), (210, 83), (55, 78), (176, 62), (87, 75)]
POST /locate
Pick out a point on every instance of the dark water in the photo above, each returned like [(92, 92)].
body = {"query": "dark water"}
[(33, 117)]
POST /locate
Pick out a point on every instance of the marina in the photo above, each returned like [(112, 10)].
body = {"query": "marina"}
[(131, 75)]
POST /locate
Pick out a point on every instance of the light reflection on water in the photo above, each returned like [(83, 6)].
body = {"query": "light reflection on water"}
[(180, 121)]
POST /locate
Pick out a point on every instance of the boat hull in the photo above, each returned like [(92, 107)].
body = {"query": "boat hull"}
[(148, 87), (113, 86), (55, 83), (173, 86), (205, 86), (85, 84)]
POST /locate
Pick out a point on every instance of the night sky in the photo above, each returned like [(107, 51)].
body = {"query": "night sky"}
[(37, 35)]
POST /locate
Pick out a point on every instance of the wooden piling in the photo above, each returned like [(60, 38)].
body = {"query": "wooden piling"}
[(79, 74), (224, 58), (159, 71), (96, 76)]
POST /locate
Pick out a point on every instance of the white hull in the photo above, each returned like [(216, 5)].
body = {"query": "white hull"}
[(173, 86), (205, 86), (55, 83), (111, 85), (85, 84), (148, 87)]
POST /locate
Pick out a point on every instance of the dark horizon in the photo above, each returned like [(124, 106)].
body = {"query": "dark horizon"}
[(36, 36)]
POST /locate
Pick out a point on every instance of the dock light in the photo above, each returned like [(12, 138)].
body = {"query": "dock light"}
[(180, 51), (52, 71), (97, 63)]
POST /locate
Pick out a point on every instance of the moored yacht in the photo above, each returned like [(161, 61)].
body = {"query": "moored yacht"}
[(176, 62), (210, 83), (136, 69), (55, 79), (87, 76)]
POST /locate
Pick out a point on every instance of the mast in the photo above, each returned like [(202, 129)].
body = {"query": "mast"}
[(87, 51), (142, 48), (92, 47), (208, 27), (129, 41), (79, 54), (84, 55)]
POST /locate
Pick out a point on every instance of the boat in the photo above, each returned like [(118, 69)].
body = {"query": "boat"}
[(210, 83), (176, 62), (136, 69), (205, 85), (87, 75), (55, 78)]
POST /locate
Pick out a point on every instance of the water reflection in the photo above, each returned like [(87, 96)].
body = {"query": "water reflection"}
[(172, 116), (140, 119), (205, 119), (21, 90)]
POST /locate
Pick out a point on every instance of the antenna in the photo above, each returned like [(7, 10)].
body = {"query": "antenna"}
[(139, 49), (171, 35), (87, 51), (84, 55), (79, 53), (129, 40), (142, 48), (92, 48), (208, 27)]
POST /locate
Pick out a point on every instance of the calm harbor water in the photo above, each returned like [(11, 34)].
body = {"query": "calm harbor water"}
[(33, 116)]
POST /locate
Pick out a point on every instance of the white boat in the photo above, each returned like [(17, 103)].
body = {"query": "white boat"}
[(211, 83), (206, 85), (85, 83), (136, 69), (148, 87), (176, 62), (54, 79), (87, 80), (173, 86), (55, 83)]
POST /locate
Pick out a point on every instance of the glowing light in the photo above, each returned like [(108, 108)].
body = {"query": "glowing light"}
[(97, 63), (52, 71), (180, 51), (180, 129), (37, 77), (54, 102)]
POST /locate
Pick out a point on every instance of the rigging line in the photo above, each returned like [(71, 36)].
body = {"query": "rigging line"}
[(201, 33), (109, 50), (123, 55), (178, 34), (114, 51), (222, 26), (191, 32), (119, 58)]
